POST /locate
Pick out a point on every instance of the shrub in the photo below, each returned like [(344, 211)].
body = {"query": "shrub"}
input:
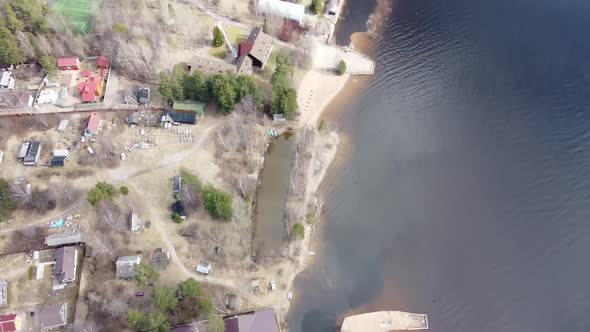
[(219, 204), (124, 190), (190, 179), (217, 37), (146, 275), (299, 230), (121, 28), (190, 288), (176, 218), (164, 298), (341, 67), (317, 7), (6, 204)]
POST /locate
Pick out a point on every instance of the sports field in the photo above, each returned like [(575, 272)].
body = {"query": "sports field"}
[(79, 12)]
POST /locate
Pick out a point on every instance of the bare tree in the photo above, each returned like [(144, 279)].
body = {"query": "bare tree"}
[(25, 44)]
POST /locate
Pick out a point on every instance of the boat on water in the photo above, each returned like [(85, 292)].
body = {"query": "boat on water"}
[(385, 321)]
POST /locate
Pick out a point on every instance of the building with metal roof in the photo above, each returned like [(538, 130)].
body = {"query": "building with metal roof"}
[(190, 106), (66, 264), (53, 316), (125, 267), (284, 9), (33, 153), (67, 237)]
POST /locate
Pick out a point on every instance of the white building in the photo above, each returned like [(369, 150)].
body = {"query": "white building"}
[(47, 97), (288, 10)]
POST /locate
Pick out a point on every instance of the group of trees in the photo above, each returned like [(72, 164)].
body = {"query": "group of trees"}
[(7, 206), (20, 21), (283, 97), (185, 303), (226, 90), (102, 191), (218, 203)]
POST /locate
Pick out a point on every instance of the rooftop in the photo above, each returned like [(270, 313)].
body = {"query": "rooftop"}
[(3, 293), (54, 315), (263, 320), (210, 66), (190, 105), (65, 264), (8, 323), (125, 266)]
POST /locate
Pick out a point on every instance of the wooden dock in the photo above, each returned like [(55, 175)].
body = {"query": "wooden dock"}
[(385, 321)]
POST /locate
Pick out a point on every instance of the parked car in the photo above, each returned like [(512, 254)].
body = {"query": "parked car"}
[(138, 294), (123, 157)]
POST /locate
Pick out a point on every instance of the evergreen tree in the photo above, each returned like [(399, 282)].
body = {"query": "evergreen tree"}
[(195, 87), (223, 91), (9, 51), (217, 37)]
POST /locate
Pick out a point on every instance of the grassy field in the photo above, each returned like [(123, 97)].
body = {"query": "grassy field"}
[(79, 12)]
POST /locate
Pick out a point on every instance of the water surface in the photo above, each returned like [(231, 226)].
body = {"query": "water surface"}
[(466, 195)]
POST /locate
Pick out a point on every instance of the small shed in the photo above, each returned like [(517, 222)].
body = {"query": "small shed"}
[(58, 161), (68, 63), (159, 258), (63, 125), (204, 268), (3, 293), (176, 183), (143, 95), (133, 118), (126, 266), (24, 148), (102, 62), (67, 237), (61, 153), (134, 222), (178, 208), (32, 156), (278, 118), (232, 302)]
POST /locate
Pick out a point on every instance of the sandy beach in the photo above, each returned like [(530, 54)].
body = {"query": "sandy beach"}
[(316, 91)]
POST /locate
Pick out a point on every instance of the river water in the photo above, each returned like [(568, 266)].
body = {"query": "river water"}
[(466, 192)]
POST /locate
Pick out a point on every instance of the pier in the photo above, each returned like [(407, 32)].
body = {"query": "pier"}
[(327, 57), (385, 321)]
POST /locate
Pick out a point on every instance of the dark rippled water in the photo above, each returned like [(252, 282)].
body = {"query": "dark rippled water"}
[(467, 192)]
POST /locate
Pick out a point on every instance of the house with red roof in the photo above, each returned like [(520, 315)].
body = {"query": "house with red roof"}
[(94, 124), (68, 63), (9, 323)]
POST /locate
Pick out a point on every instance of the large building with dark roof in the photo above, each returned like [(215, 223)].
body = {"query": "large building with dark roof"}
[(263, 320), (66, 263)]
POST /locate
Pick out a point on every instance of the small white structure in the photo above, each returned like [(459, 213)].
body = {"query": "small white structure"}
[(61, 153), (63, 125), (1, 156), (204, 268), (7, 81), (288, 10), (134, 222), (47, 97)]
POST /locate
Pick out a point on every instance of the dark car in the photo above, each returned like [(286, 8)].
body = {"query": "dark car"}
[(138, 294)]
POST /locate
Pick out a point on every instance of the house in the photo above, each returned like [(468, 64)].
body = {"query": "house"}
[(66, 263), (160, 258), (258, 47), (3, 293), (94, 125), (58, 161), (16, 99), (64, 238), (178, 208), (263, 320), (134, 222), (189, 106), (178, 117), (143, 95), (245, 65), (53, 316), (284, 9), (176, 184), (209, 66), (33, 153), (126, 266), (192, 327), (68, 63), (102, 62), (47, 97), (9, 323)]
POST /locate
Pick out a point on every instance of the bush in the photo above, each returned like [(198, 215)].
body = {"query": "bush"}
[(205, 307), (124, 190), (341, 67), (219, 204), (121, 28), (299, 230), (136, 319), (189, 179), (48, 63), (215, 324), (101, 191), (176, 218), (190, 288), (217, 37), (317, 7)]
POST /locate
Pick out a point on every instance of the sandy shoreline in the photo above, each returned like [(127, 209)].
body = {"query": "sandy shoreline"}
[(316, 91)]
